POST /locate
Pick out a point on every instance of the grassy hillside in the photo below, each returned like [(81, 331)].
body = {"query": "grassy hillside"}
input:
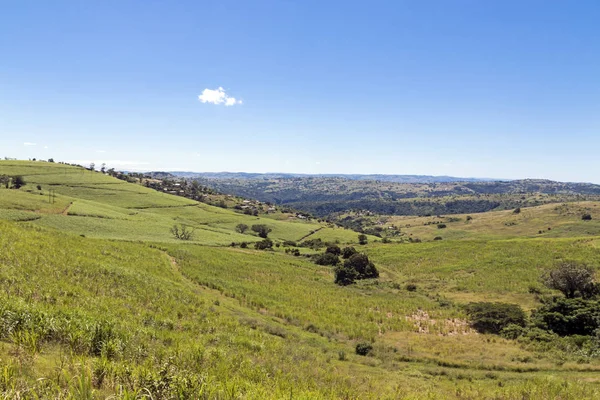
[(547, 221), (98, 300), (96, 205)]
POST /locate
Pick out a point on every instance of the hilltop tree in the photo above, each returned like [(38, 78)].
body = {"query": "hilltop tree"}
[(572, 279), (262, 230)]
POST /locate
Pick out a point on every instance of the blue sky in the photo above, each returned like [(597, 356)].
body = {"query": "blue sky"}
[(504, 89)]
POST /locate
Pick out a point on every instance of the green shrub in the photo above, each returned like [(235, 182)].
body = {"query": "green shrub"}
[(326, 259), (568, 316), (494, 317), (347, 252), (264, 244), (363, 348), (333, 249)]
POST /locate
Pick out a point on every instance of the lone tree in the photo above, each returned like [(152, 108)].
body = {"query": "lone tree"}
[(356, 267), (362, 239), (182, 232), (262, 230), (241, 228), (572, 279)]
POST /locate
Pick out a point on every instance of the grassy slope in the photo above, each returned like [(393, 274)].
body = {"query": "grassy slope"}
[(95, 205), (230, 323), (564, 220)]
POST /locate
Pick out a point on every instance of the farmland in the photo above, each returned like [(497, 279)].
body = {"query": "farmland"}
[(99, 299)]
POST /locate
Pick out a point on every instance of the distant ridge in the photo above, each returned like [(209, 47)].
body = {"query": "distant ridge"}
[(354, 177)]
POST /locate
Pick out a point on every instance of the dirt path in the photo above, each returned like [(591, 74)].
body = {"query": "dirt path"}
[(312, 233), (66, 210)]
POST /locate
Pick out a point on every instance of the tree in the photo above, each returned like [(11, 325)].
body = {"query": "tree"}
[(347, 252), (262, 230), (182, 232), (365, 268), (344, 275), (51, 160), (264, 244), (354, 268), (240, 228), (326, 259), (362, 239), (333, 249), (566, 317), (103, 168), (18, 181), (493, 317), (92, 167), (572, 279)]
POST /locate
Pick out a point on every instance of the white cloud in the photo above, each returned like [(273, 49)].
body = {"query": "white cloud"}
[(29, 144), (218, 96), (100, 151)]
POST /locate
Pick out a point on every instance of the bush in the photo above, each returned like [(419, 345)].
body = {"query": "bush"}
[(586, 217), (494, 317), (326, 259), (243, 245), (262, 230), (241, 228), (18, 181), (517, 210), (512, 331), (347, 252), (437, 238), (441, 226), (565, 316), (363, 348), (345, 275), (264, 244), (411, 287), (362, 239), (334, 249)]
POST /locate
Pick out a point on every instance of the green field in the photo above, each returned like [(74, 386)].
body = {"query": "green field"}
[(99, 300)]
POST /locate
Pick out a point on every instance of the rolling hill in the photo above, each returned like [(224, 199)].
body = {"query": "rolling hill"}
[(99, 300)]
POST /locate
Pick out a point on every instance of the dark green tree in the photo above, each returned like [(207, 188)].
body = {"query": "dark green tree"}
[(362, 239), (262, 230)]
